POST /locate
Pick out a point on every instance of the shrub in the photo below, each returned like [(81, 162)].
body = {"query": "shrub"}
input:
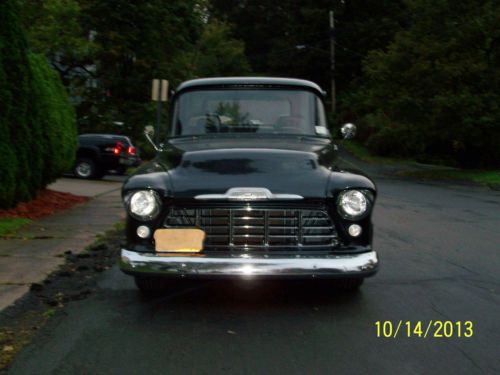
[(55, 117), (8, 163), (15, 140), (37, 123)]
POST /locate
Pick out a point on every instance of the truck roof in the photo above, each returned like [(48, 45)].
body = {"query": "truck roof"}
[(253, 82)]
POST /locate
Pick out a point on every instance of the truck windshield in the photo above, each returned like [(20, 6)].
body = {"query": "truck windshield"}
[(261, 111)]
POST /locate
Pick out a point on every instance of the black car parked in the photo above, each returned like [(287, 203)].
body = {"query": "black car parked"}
[(248, 186), (99, 153)]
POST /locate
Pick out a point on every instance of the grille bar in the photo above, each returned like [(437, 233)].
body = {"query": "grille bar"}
[(258, 229), (266, 228), (301, 226)]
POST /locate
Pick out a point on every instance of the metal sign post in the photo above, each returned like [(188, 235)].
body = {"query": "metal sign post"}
[(159, 94)]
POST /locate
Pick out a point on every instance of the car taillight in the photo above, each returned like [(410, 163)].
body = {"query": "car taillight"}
[(131, 150), (118, 148)]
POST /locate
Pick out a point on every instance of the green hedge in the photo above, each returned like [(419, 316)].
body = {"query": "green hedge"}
[(14, 81), (55, 117), (37, 123)]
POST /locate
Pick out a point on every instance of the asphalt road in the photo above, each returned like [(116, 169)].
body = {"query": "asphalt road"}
[(440, 252)]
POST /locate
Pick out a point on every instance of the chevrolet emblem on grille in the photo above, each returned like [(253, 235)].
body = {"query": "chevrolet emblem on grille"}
[(249, 194)]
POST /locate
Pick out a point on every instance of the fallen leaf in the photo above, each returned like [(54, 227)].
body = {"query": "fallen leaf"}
[(8, 348)]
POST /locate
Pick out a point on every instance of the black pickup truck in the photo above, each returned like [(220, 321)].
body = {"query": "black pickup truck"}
[(99, 153), (248, 185)]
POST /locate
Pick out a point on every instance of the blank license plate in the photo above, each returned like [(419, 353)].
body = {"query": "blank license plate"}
[(181, 240)]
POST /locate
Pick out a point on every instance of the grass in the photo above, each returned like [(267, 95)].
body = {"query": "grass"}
[(130, 170), (362, 153), (10, 225), (101, 238), (119, 226), (482, 177)]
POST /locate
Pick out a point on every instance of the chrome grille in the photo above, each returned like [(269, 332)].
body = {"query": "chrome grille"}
[(259, 229)]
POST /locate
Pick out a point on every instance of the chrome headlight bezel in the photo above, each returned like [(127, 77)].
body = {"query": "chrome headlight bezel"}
[(150, 198), (346, 201)]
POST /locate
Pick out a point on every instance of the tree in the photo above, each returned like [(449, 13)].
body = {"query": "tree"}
[(291, 38), (217, 53), (135, 42), (54, 28), (434, 92)]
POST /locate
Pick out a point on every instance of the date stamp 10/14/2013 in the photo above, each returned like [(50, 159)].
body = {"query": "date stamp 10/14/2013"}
[(420, 329)]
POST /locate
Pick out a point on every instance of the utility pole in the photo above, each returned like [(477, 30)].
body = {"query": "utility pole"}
[(332, 60)]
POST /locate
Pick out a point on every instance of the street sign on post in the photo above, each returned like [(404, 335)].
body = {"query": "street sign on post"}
[(159, 92)]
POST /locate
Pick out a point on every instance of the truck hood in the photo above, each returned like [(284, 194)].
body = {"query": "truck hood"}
[(213, 166), (189, 167)]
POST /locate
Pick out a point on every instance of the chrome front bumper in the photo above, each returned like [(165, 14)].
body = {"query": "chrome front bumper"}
[(363, 264)]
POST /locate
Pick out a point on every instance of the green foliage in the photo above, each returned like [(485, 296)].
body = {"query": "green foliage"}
[(135, 42), (8, 162), (54, 28), (15, 140), (36, 120), (138, 41), (55, 118), (419, 77), (217, 54), (291, 39), (433, 94)]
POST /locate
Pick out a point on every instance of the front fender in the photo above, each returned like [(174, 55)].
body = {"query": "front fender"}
[(151, 175), (343, 180)]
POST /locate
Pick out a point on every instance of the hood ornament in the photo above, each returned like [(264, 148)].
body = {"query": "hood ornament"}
[(249, 194)]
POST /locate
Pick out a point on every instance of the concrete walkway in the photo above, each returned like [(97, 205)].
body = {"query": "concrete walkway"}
[(38, 248)]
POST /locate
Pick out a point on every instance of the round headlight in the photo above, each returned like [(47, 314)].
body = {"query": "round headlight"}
[(352, 204), (144, 204)]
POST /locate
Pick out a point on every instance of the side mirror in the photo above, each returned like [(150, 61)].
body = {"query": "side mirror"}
[(149, 132), (348, 131)]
